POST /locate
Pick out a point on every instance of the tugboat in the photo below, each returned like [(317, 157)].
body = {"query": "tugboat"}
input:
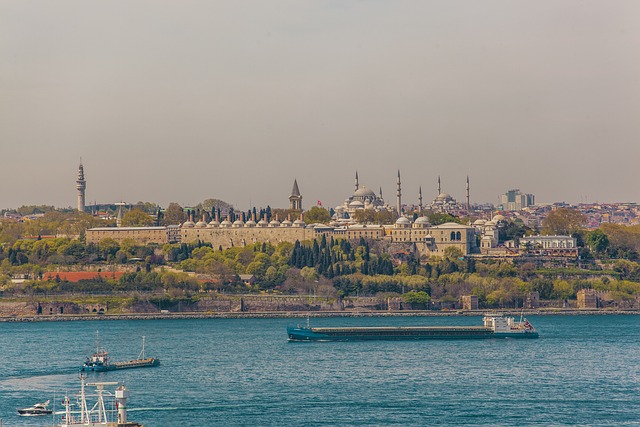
[(35, 410), (494, 326), (100, 362), (99, 415)]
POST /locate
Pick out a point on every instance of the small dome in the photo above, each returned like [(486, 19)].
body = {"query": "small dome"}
[(263, 223), (423, 220), (238, 223), (356, 204), (298, 223), (489, 224), (498, 218), (188, 224), (225, 224), (286, 223), (251, 223), (403, 220), (214, 224), (480, 222), (274, 223)]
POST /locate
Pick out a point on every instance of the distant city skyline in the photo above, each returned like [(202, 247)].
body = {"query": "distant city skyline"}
[(185, 101)]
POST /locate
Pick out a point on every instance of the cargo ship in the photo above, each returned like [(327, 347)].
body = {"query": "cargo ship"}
[(494, 326), (100, 361)]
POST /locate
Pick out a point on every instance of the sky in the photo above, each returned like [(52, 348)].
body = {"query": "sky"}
[(182, 101)]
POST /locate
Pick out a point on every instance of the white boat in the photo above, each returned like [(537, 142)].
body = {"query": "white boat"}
[(109, 409), (35, 410)]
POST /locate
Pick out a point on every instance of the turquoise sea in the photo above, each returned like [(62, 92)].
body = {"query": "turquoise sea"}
[(584, 370)]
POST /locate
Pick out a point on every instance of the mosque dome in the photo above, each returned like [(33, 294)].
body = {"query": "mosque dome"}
[(201, 224), (490, 224), (214, 224), (225, 224), (444, 197), (403, 222), (364, 192), (286, 223), (263, 223), (298, 223), (188, 224), (356, 204), (498, 218), (479, 222), (238, 223), (274, 223), (421, 222), (251, 223)]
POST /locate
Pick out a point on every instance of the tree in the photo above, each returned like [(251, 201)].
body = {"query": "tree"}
[(137, 218), (174, 215), (416, 297), (364, 216), (597, 241), (385, 217), (564, 222), (317, 214), (562, 289), (209, 204)]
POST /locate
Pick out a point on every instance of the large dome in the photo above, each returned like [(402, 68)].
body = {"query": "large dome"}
[(444, 197), (364, 192)]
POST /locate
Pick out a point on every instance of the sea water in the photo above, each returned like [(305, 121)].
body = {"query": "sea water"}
[(583, 370)]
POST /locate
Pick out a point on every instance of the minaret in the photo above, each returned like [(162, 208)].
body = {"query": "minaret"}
[(295, 199), (381, 199), (81, 185), (357, 184), (468, 204), (399, 196), (439, 189), (420, 198), (119, 216)]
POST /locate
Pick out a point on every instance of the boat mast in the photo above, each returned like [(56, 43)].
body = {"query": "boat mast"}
[(84, 410), (141, 356)]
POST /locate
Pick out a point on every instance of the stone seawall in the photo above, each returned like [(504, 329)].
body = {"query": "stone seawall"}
[(214, 306)]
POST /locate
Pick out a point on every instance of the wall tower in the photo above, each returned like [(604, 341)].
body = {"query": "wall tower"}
[(295, 199)]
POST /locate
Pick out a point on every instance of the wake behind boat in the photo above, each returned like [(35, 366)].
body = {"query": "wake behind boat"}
[(495, 326), (100, 361), (35, 410)]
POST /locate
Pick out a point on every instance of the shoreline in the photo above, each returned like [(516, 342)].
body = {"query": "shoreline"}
[(300, 314)]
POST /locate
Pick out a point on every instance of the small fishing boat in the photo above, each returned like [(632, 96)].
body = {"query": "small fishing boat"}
[(35, 410), (100, 361)]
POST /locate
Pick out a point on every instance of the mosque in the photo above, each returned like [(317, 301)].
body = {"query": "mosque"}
[(362, 198)]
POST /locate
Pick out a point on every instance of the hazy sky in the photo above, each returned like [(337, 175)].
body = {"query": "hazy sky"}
[(180, 101)]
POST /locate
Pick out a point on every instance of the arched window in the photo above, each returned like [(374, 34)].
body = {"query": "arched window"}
[(453, 235), (458, 236)]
